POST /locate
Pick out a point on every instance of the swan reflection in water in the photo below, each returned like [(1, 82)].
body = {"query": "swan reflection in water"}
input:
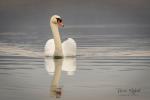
[(54, 67)]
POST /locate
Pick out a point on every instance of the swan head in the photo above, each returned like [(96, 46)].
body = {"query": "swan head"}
[(55, 19)]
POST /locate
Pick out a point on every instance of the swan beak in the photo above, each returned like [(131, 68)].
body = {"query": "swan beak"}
[(61, 24)]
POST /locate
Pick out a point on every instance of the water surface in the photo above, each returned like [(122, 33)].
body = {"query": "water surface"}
[(113, 62)]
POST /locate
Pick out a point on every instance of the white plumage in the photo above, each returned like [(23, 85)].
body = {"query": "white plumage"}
[(68, 47), (49, 47)]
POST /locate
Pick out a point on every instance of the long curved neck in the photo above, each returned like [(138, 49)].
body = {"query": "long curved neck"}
[(57, 40)]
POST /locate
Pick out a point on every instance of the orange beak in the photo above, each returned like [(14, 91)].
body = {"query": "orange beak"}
[(60, 24)]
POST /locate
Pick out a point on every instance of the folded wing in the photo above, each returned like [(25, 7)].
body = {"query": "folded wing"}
[(49, 47), (69, 47)]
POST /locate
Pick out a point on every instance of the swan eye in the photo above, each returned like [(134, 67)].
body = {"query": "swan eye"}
[(59, 20)]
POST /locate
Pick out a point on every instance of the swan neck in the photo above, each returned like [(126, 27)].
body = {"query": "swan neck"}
[(57, 40)]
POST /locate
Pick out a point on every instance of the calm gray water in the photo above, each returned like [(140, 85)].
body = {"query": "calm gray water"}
[(113, 62)]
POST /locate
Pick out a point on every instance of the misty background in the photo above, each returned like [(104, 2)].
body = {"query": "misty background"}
[(96, 23), (33, 15)]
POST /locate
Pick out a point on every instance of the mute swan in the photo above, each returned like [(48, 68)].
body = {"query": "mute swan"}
[(54, 47)]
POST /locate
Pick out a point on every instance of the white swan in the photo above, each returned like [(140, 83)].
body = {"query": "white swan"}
[(54, 47)]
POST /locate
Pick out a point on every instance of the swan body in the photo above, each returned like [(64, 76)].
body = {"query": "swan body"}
[(68, 48), (54, 47)]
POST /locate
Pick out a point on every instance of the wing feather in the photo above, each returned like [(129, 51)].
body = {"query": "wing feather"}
[(49, 47), (69, 47)]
